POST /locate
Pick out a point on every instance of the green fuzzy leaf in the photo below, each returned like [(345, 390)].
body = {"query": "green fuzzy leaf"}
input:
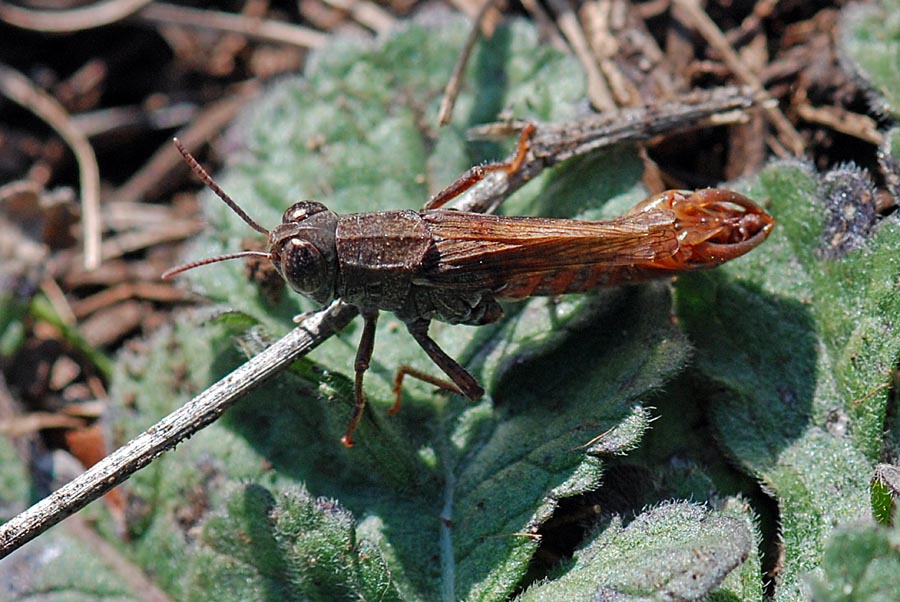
[(861, 563), (292, 548), (804, 346), (870, 41), (674, 552)]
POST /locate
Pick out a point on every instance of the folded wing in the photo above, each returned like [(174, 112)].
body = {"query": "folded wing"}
[(521, 256)]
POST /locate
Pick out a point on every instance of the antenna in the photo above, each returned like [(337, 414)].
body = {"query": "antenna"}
[(208, 180), (196, 264)]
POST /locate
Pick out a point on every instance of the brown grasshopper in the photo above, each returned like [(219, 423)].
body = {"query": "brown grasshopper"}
[(454, 266)]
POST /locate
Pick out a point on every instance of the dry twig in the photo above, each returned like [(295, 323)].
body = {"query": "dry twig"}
[(697, 18), (207, 123), (265, 30), (598, 90), (451, 91), (20, 90), (67, 21), (842, 120)]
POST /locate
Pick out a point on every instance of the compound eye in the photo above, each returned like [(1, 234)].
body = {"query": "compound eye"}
[(298, 212), (303, 266)]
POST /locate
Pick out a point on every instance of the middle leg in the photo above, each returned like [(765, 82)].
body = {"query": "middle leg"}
[(462, 381)]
